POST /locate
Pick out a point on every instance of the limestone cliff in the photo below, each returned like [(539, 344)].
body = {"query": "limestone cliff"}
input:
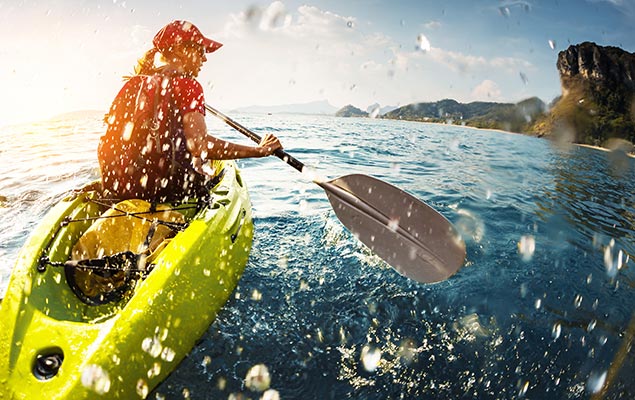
[(597, 65), (598, 87)]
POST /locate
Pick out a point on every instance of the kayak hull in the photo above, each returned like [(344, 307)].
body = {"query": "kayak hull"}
[(125, 348)]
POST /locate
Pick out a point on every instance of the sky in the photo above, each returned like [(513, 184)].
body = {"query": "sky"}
[(63, 56)]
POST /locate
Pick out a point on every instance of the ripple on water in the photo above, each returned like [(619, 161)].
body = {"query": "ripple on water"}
[(312, 298)]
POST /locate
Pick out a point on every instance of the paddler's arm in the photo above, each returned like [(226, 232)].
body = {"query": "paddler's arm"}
[(207, 147)]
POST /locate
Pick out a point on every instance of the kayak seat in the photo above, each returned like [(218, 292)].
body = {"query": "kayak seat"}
[(126, 227)]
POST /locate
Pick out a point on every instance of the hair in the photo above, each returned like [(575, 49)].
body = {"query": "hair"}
[(145, 65)]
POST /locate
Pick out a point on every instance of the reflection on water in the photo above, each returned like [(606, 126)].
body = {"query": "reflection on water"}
[(542, 309)]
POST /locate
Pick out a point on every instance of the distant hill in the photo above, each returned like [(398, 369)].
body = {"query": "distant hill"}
[(507, 116), (350, 111), (598, 88), (315, 107)]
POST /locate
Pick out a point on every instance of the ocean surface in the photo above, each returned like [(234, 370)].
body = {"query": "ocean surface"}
[(544, 307)]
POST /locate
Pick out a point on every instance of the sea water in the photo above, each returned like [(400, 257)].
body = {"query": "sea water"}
[(543, 308)]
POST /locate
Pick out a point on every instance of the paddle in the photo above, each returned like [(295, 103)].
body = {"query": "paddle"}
[(409, 235)]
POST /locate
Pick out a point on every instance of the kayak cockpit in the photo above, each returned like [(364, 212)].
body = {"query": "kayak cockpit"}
[(102, 249)]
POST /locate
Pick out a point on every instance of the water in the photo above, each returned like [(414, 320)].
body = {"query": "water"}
[(542, 309)]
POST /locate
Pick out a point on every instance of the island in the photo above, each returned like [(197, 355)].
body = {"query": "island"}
[(596, 107)]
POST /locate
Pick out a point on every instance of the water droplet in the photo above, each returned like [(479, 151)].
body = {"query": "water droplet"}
[(423, 43), (350, 24), (142, 388), (370, 358), (526, 247), (591, 325), (127, 131), (154, 371), (577, 302), (221, 383), (556, 330), (270, 394), (152, 346), (168, 354), (393, 224), (523, 389), (96, 379), (613, 265), (523, 290), (258, 378), (552, 44), (596, 381)]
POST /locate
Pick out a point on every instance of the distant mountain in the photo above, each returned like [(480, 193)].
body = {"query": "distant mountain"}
[(315, 107), (507, 116), (598, 88), (350, 111)]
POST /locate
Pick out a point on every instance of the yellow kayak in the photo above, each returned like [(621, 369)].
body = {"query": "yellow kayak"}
[(106, 298)]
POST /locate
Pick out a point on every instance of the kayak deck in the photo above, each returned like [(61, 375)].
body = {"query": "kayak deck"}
[(127, 346)]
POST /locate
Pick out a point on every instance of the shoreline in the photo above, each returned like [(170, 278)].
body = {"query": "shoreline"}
[(589, 146)]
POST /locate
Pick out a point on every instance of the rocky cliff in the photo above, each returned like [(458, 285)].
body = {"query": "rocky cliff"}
[(598, 88), (597, 65)]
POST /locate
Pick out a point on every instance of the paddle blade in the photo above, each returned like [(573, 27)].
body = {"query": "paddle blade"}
[(411, 236)]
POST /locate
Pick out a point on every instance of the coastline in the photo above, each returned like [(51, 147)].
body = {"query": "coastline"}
[(589, 146)]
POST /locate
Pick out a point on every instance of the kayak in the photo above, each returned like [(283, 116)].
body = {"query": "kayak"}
[(107, 297)]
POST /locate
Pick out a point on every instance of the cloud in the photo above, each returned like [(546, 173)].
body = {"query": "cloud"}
[(466, 63), (432, 25), (276, 55), (487, 89), (626, 7)]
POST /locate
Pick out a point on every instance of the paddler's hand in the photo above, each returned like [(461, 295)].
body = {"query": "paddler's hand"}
[(269, 144)]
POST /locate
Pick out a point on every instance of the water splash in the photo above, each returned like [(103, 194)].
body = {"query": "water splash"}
[(370, 358)]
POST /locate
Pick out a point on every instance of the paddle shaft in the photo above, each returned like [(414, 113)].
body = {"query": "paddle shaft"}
[(408, 234), (281, 154)]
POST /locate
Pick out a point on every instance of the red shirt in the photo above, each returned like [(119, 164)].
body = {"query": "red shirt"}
[(187, 94)]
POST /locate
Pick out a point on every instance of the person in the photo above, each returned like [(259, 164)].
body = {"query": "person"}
[(156, 141)]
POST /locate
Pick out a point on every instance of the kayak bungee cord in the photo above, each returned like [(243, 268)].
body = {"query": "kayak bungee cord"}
[(107, 263)]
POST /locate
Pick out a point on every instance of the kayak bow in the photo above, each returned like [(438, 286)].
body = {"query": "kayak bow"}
[(56, 344)]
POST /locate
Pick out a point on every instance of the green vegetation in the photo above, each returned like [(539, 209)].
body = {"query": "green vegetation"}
[(350, 111), (489, 115), (590, 114), (597, 105)]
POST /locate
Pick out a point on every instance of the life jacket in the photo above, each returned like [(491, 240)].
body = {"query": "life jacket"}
[(143, 153)]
